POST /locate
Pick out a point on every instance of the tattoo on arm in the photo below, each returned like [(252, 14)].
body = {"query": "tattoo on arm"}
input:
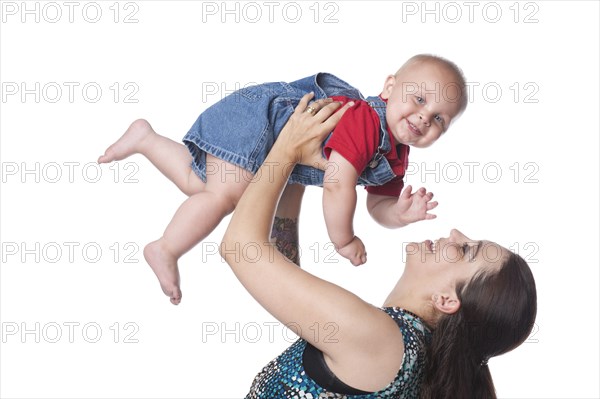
[(285, 233)]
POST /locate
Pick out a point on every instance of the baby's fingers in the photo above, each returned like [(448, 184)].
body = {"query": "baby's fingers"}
[(430, 216), (407, 192), (432, 205), (359, 259)]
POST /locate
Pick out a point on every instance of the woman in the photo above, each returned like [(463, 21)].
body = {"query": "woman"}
[(458, 302)]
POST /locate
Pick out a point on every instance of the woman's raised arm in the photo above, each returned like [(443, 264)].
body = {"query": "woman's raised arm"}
[(313, 307)]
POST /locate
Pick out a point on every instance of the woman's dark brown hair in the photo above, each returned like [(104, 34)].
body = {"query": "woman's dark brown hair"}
[(496, 315)]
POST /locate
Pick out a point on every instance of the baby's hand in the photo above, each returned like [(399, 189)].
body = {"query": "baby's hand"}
[(354, 251), (412, 207)]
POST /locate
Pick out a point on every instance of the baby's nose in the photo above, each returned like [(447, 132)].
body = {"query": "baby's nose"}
[(426, 118)]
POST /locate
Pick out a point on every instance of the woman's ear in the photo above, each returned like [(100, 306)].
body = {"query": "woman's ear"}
[(445, 303), (388, 86)]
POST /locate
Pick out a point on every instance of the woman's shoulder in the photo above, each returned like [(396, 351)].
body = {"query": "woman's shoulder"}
[(415, 337), (392, 348)]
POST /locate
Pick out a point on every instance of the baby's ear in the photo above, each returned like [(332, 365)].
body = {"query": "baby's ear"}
[(388, 86)]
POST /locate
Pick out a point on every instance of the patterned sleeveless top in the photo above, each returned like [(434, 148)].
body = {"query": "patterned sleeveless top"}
[(286, 378)]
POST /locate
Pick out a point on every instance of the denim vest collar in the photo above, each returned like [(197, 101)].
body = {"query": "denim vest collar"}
[(328, 85)]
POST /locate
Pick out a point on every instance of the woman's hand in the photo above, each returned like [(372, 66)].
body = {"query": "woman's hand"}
[(302, 137)]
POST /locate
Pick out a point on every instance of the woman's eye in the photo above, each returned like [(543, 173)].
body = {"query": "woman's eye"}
[(465, 249)]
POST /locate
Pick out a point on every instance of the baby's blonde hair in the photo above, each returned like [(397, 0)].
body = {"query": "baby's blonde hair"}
[(450, 66)]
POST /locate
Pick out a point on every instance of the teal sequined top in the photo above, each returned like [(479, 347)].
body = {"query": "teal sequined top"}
[(286, 378)]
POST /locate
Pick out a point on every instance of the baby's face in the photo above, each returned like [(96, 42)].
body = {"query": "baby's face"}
[(423, 99)]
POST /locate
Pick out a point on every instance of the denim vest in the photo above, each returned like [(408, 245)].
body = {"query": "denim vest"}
[(242, 127), (378, 170)]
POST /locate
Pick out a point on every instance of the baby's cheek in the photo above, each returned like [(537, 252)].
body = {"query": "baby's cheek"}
[(390, 117), (435, 136)]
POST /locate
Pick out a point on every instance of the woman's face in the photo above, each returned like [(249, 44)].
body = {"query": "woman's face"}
[(438, 265)]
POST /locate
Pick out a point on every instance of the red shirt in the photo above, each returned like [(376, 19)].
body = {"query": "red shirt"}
[(356, 138)]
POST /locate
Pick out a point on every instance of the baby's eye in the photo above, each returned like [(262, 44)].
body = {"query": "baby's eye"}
[(420, 100), (441, 121)]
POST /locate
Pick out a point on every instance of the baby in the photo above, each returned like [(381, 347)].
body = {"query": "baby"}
[(369, 146)]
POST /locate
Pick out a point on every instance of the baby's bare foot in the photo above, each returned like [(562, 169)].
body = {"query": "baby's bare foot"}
[(164, 265), (129, 143)]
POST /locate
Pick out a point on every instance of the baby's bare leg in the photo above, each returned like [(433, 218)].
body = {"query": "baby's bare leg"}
[(171, 158), (194, 220)]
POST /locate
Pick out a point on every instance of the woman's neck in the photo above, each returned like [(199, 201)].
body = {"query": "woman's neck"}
[(420, 307)]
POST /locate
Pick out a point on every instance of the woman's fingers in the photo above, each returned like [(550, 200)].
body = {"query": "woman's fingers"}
[(326, 107), (325, 114), (321, 110), (307, 128), (303, 104)]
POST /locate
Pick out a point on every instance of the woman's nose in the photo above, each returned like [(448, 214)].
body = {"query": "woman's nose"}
[(458, 236)]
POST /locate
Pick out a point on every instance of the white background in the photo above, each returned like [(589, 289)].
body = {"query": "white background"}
[(538, 115)]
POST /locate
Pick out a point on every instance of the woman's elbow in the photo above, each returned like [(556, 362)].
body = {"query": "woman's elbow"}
[(230, 244), (237, 245)]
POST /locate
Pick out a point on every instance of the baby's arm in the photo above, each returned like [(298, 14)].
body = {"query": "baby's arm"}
[(408, 208), (339, 204)]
